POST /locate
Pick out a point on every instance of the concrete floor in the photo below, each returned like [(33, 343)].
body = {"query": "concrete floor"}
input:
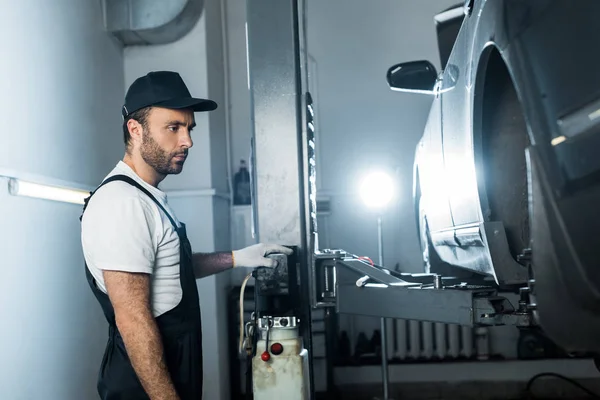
[(547, 390), (501, 380)]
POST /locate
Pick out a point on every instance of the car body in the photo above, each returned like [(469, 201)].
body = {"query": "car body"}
[(506, 173)]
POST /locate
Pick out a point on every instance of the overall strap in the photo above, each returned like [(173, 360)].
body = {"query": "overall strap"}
[(131, 181)]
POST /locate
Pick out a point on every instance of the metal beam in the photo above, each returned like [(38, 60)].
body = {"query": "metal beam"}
[(275, 89), (277, 76), (467, 307), (447, 306)]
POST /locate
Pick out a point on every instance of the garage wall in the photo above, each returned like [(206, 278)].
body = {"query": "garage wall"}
[(61, 79), (198, 194), (239, 100), (61, 96)]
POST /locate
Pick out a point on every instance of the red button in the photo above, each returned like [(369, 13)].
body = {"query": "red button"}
[(276, 348), (265, 356)]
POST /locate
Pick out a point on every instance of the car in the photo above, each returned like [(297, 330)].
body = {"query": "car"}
[(507, 171)]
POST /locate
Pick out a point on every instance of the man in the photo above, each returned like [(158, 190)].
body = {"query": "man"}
[(139, 262)]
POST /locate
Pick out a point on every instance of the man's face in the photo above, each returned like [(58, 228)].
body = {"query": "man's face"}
[(166, 139)]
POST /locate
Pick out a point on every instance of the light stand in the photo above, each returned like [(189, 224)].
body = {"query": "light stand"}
[(377, 191), (384, 360)]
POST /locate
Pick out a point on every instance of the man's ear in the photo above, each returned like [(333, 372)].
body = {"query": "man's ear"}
[(135, 130)]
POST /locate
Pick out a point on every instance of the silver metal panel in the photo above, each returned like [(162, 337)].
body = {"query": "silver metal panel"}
[(275, 91), (447, 306), (374, 273), (507, 270)]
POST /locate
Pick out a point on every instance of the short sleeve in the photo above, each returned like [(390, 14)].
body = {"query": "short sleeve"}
[(117, 232)]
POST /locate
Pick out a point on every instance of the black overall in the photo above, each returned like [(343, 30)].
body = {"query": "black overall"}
[(180, 329)]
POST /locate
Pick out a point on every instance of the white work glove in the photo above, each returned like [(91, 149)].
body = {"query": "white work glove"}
[(254, 256)]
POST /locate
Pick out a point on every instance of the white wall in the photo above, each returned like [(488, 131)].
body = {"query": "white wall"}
[(62, 85), (239, 100), (197, 57), (216, 85), (61, 79)]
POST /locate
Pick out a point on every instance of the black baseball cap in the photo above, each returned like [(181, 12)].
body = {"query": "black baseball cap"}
[(162, 89)]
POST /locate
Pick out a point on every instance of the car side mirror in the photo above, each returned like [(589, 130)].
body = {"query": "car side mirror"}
[(413, 77)]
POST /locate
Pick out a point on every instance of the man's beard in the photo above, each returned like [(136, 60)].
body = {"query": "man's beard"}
[(158, 158)]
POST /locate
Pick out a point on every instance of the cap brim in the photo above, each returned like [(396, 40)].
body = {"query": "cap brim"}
[(196, 105)]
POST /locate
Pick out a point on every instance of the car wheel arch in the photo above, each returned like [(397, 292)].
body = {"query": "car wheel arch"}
[(500, 132)]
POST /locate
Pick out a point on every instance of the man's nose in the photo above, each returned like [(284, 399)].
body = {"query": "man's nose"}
[(186, 140)]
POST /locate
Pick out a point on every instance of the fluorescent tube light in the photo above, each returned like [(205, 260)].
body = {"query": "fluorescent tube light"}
[(17, 187)]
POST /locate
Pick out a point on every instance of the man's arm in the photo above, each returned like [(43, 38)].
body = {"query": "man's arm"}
[(206, 264), (129, 294)]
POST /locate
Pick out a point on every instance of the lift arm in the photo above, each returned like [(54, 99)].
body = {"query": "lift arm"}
[(353, 286)]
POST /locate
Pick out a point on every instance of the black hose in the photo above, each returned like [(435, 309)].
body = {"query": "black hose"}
[(555, 375)]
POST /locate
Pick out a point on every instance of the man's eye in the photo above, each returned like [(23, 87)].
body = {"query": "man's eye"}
[(173, 128)]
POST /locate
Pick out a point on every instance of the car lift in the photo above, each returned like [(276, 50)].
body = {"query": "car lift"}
[(284, 211)]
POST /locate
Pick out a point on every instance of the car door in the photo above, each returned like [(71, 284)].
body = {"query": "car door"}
[(457, 134), (434, 202), (436, 190)]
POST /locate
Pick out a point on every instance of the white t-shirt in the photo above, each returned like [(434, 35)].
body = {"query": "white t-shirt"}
[(123, 229)]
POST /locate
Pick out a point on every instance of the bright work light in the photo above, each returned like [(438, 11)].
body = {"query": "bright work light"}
[(377, 189)]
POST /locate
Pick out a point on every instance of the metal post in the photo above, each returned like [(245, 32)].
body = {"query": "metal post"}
[(380, 241), (384, 360), (277, 81)]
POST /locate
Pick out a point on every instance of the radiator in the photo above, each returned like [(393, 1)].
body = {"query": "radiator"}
[(418, 340)]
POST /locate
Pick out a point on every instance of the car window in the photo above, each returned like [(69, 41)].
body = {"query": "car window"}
[(448, 23)]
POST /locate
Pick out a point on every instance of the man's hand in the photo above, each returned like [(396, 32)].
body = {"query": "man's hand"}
[(129, 294), (206, 264), (254, 256)]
